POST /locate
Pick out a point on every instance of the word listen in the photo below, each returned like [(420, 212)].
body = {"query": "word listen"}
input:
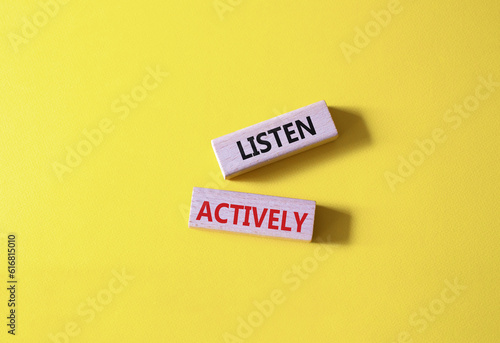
[(274, 139), (288, 133), (274, 216), (255, 214)]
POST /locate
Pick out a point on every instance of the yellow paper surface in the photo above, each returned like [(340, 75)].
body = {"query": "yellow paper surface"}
[(107, 111)]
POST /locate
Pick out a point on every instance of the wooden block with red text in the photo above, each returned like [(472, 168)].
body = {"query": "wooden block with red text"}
[(274, 139), (254, 214)]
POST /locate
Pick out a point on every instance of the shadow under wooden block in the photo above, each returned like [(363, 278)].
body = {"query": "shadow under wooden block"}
[(353, 134), (331, 226)]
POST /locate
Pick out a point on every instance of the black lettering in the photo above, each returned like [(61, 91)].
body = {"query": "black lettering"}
[(301, 125), (276, 136), (261, 141), (242, 152), (289, 133), (254, 148)]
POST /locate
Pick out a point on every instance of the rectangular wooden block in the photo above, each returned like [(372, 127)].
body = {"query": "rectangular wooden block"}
[(274, 139), (254, 214)]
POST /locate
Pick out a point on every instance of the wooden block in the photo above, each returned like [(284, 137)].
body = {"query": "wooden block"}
[(274, 139), (254, 214)]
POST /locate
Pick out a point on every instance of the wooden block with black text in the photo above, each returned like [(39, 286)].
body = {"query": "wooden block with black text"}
[(274, 139), (254, 214)]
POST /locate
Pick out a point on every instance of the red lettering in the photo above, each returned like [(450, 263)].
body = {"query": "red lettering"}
[(217, 209), (272, 219), (283, 223), (258, 222), (273, 222), (300, 221), (202, 213), (247, 215), (236, 209)]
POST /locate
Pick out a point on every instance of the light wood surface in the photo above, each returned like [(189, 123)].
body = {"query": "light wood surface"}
[(255, 214), (274, 139)]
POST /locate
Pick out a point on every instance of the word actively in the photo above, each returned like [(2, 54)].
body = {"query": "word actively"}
[(252, 213), (274, 139)]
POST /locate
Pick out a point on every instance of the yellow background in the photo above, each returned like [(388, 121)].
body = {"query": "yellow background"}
[(125, 205)]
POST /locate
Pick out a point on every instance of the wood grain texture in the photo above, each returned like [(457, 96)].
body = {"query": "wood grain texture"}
[(254, 214), (274, 139)]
